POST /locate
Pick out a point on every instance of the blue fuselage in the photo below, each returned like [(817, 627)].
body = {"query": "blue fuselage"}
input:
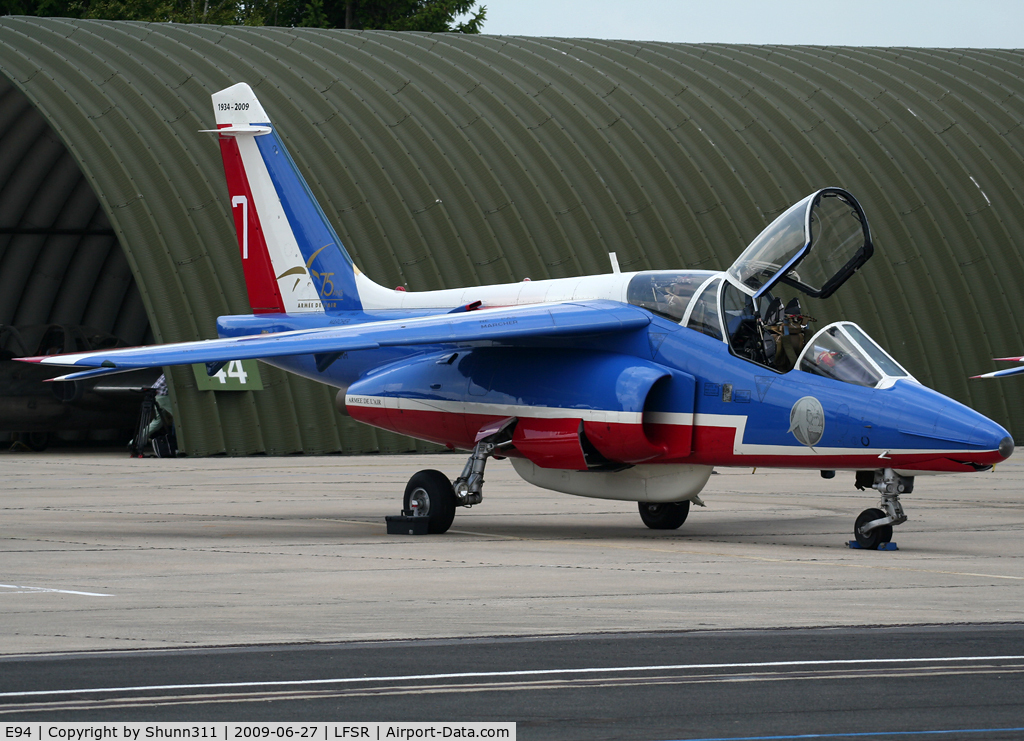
[(663, 393)]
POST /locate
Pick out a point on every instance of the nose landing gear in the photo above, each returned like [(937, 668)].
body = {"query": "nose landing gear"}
[(873, 527)]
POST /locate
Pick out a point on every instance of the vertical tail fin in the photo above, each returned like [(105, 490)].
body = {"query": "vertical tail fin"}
[(291, 255)]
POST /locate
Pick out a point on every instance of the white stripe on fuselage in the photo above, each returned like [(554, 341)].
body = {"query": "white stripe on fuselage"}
[(610, 286), (488, 409)]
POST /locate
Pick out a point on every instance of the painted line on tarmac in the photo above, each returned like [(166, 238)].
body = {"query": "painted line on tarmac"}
[(861, 734), (348, 692), (518, 673), (41, 590)]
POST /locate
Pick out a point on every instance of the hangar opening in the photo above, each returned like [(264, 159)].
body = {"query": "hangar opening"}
[(65, 286)]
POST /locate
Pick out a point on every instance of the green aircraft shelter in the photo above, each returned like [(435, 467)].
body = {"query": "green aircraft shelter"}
[(447, 159)]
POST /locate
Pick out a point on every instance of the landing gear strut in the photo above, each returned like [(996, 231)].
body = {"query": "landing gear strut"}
[(874, 526), (469, 486), (430, 494)]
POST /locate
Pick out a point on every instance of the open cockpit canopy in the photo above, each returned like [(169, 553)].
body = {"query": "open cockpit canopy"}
[(814, 246)]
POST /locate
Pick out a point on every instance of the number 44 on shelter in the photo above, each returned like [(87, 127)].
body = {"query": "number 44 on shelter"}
[(234, 375)]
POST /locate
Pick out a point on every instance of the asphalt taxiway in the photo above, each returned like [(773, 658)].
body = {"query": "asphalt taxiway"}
[(268, 589), (866, 683)]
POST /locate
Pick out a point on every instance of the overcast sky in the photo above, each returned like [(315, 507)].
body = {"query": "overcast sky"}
[(937, 23)]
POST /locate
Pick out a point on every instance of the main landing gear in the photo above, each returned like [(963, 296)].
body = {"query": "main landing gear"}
[(665, 516), (874, 526), (430, 494)]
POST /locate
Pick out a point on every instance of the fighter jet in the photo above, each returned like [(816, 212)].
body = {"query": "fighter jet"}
[(627, 386)]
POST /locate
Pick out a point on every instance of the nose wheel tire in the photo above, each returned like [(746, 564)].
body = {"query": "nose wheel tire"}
[(430, 494), (664, 516), (876, 537)]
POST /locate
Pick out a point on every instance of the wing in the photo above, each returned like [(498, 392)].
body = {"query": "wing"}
[(1007, 372), (518, 323), (1000, 374)]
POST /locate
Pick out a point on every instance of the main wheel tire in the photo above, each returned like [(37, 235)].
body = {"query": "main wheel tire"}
[(876, 537), (665, 516), (434, 497)]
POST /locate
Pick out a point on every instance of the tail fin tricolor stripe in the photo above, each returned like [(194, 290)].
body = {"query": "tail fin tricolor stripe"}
[(264, 292), (292, 257)]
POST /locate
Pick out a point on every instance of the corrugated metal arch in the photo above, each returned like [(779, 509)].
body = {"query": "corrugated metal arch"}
[(60, 262), (448, 159)]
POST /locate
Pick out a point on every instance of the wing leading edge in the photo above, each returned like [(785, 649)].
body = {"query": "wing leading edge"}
[(1007, 371), (521, 323)]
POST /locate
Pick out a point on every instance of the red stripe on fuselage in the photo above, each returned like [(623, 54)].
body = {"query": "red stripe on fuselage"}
[(715, 446), (712, 445)]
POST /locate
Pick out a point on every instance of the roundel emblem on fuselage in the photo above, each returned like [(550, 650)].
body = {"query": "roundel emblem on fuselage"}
[(807, 421)]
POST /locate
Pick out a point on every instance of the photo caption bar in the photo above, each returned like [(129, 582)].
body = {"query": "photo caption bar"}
[(246, 731)]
